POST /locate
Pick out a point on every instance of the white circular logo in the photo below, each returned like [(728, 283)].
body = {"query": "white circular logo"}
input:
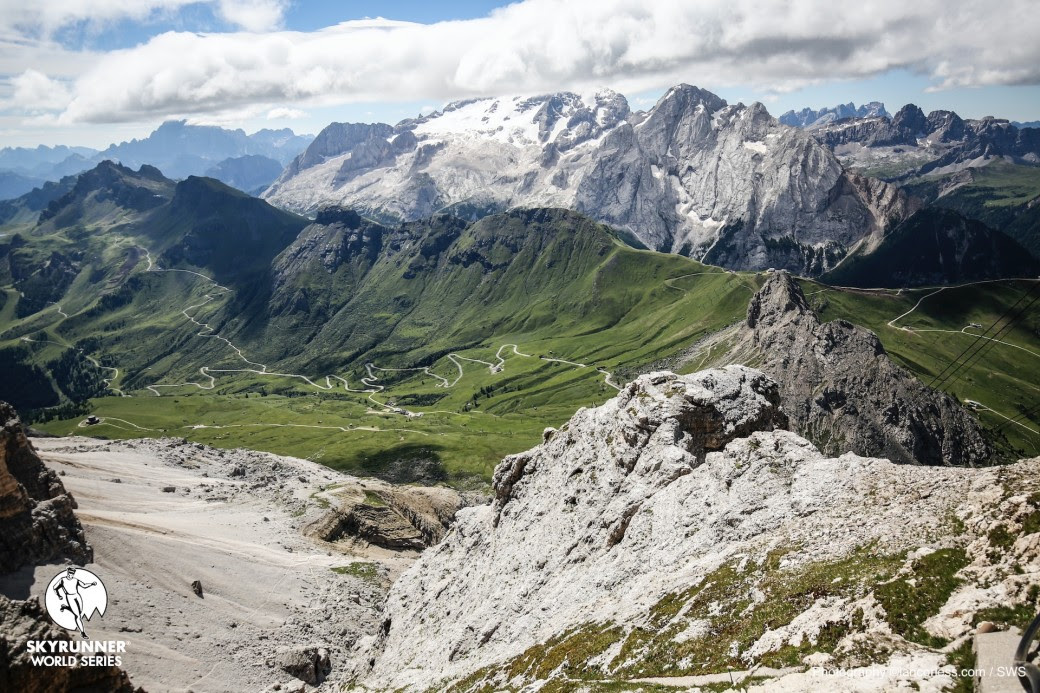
[(73, 597)]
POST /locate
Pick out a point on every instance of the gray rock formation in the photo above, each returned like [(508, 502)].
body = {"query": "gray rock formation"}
[(36, 519), (309, 663), (336, 139), (37, 524), (22, 621), (672, 529), (399, 518), (912, 144), (724, 183), (376, 525), (842, 391)]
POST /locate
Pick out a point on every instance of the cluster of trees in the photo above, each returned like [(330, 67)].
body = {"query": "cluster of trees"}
[(26, 385), (77, 377), (62, 411)]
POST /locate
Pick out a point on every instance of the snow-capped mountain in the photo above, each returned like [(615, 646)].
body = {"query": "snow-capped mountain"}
[(728, 184)]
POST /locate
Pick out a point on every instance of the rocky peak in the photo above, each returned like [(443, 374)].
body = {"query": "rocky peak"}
[(685, 97), (779, 301), (606, 546), (695, 413), (843, 392), (911, 119), (114, 183), (945, 126), (338, 138)]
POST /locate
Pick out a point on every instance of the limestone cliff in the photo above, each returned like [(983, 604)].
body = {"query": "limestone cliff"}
[(674, 531), (36, 519)]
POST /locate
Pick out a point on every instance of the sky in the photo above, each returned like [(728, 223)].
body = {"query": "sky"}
[(94, 72)]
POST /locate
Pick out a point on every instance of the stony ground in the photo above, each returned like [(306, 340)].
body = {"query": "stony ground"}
[(161, 514)]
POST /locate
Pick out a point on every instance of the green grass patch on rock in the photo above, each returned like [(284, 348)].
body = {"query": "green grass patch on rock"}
[(910, 600), (734, 606), (368, 572), (374, 499)]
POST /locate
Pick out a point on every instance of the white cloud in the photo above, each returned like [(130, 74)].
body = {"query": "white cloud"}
[(544, 45), (283, 113), (35, 91), (46, 16), (253, 15)]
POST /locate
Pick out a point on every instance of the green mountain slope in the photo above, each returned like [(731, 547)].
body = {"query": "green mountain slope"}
[(441, 284), (1002, 195), (525, 315), (423, 352), (936, 246)]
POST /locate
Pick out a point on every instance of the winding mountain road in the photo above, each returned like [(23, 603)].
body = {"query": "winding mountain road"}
[(370, 383), (88, 357)]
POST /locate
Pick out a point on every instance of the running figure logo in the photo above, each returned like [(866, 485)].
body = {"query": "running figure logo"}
[(74, 596)]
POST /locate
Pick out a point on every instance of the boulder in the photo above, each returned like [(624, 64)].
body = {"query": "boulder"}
[(309, 663)]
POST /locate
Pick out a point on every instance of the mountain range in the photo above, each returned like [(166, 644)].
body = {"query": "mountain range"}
[(809, 118), (177, 148), (940, 142), (121, 281), (137, 271), (725, 184), (986, 169)]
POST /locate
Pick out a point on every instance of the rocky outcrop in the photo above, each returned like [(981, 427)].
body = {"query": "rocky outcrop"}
[(37, 525), (585, 496), (336, 139), (842, 391), (309, 663), (728, 184), (21, 622), (378, 525), (674, 531), (36, 519), (399, 518)]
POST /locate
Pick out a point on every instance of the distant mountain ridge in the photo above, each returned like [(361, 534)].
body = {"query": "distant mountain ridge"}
[(36, 161), (180, 149), (175, 147), (940, 142), (809, 118), (15, 184), (726, 184), (252, 173)]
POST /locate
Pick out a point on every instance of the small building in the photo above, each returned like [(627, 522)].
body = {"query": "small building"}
[(92, 420)]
